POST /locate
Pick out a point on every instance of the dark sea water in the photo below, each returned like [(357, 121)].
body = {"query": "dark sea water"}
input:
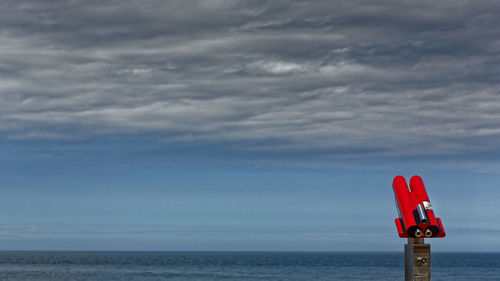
[(190, 266)]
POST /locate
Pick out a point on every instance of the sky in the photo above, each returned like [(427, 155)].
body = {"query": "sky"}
[(246, 125)]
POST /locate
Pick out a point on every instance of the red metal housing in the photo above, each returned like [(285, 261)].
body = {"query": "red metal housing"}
[(416, 216)]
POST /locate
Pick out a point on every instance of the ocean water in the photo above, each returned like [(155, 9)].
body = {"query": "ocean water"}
[(190, 266)]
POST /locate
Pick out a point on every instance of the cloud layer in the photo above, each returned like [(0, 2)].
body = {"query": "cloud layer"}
[(392, 78)]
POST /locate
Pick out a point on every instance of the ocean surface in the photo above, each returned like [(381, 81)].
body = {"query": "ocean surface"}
[(190, 266)]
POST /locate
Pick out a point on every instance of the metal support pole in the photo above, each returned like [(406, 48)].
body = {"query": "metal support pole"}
[(417, 260)]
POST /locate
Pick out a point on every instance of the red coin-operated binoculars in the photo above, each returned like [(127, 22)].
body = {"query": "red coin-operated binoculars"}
[(416, 217), (416, 221)]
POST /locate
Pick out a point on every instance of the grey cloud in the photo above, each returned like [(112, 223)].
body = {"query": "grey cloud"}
[(391, 77)]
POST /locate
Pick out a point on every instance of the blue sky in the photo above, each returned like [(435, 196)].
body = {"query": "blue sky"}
[(103, 195), (245, 125)]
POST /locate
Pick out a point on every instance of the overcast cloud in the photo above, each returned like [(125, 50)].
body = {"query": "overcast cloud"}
[(391, 78)]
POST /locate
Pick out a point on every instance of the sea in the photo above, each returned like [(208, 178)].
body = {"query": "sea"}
[(272, 266)]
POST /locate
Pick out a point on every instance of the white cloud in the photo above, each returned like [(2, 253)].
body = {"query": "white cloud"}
[(278, 67), (328, 75)]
